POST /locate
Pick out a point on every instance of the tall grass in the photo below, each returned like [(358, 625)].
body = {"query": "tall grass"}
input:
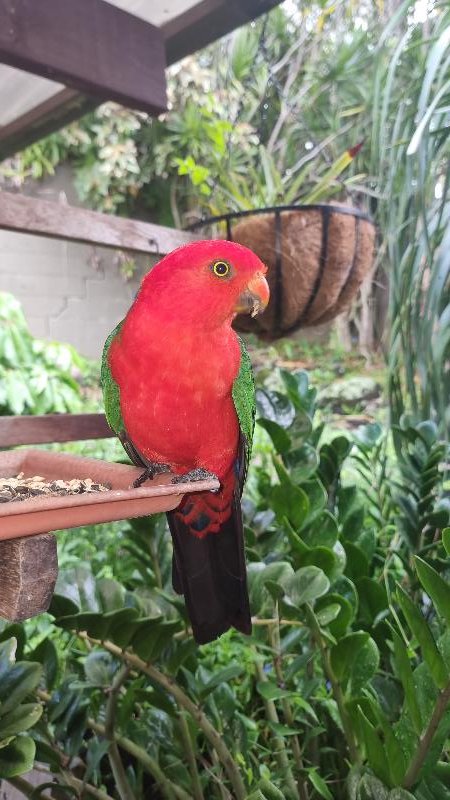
[(411, 154)]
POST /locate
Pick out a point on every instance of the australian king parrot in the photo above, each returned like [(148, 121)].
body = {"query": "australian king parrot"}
[(179, 393)]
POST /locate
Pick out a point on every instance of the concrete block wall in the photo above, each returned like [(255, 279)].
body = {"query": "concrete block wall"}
[(69, 292)]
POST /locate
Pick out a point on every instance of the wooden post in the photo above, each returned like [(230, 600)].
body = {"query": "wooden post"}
[(28, 572)]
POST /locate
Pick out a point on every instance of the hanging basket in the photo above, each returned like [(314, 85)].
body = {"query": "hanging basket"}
[(317, 255)]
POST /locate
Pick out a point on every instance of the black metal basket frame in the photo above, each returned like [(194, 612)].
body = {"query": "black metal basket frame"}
[(277, 291)]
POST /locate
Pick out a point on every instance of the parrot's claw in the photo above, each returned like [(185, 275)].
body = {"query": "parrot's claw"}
[(149, 473), (198, 474)]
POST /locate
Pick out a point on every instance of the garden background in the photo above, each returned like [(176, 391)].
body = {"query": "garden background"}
[(343, 689)]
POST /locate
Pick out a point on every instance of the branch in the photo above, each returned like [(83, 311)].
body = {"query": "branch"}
[(81, 786), (29, 790), (168, 789), (335, 685), (118, 770), (185, 702), (274, 636), (426, 739), (197, 790), (280, 752)]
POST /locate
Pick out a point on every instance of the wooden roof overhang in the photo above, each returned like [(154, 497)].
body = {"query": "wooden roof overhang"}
[(60, 59)]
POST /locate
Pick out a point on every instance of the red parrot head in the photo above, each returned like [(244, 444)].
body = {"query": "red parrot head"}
[(211, 281)]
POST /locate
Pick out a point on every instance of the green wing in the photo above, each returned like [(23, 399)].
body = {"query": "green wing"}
[(111, 392), (244, 402)]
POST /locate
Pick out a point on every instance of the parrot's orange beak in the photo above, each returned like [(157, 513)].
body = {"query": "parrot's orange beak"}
[(255, 298)]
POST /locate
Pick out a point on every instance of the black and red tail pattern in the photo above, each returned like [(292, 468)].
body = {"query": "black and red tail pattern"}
[(208, 565), (209, 570)]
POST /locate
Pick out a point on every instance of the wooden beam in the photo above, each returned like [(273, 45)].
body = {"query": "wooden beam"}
[(205, 22), (62, 108), (58, 221), (89, 45), (42, 429)]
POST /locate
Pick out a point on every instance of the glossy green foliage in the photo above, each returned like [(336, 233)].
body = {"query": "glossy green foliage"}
[(35, 378), (19, 711), (345, 675)]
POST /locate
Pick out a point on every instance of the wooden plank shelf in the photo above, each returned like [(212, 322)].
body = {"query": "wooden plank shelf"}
[(49, 513), (44, 428), (60, 221)]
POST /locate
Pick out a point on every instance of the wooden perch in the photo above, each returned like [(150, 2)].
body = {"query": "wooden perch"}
[(60, 221), (28, 572)]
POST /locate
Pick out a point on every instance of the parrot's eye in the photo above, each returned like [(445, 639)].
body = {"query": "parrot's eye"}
[(221, 268)]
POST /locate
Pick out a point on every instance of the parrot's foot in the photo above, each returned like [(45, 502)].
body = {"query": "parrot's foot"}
[(198, 474), (149, 473)]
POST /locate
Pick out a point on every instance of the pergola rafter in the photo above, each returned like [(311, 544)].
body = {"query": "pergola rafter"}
[(59, 39)]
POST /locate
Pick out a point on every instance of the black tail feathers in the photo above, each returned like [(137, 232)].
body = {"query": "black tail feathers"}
[(210, 573)]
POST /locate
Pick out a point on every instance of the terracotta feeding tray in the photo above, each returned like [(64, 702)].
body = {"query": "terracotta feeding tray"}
[(45, 513)]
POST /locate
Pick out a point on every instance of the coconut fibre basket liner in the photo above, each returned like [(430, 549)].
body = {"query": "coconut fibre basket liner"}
[(317, 257)]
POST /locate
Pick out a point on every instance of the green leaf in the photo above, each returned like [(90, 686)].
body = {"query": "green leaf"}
[(270, 691), (357, 561), (423, 634), (281, 440), (269, 791), (395, 755), (223, 676), (302, 462), (279, 572), (376, 754), (152, 635), (405, 674), (96, 749), (283, 730), (47, 655), (339, 625), (344, 653), (20, 719), (372, 600), (99, 668), (426, 691), (17, 757), (15, 631), (436, 588), (365, 665), (370, 788), (328, 613), (62, 606), (317, 498), (306, 585), (319, 784), (18, 682), (290, 501), (321, 557), (275, 406), (322, 533), (446, 540)]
